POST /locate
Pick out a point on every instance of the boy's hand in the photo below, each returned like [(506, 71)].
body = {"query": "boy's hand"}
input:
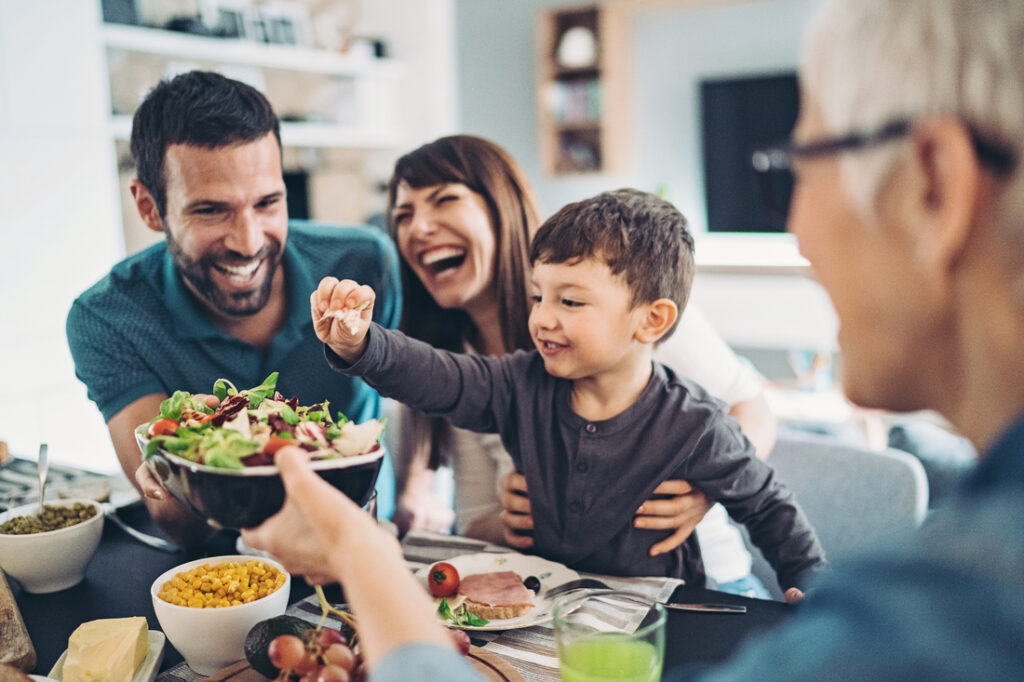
[(682, 512), (342, 311)]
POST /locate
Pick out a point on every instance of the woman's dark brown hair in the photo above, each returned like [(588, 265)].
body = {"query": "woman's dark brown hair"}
[(488, 170)]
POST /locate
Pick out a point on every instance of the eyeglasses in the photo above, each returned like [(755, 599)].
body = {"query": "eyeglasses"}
[(774, 164)]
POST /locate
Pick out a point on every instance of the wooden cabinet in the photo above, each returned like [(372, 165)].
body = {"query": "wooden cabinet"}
[(583, 93)]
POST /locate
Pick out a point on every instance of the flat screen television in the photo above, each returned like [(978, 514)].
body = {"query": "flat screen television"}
[(739, 115)]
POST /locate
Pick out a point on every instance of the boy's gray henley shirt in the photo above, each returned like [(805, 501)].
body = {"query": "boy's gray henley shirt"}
[(586, 479)]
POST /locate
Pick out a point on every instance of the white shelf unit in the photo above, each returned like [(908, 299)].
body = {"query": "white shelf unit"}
[(371, 84), (298, 135)]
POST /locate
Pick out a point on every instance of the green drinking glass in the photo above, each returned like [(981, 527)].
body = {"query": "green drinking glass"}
[(606, 635)]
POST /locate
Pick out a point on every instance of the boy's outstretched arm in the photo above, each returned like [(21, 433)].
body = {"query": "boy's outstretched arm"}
[(342, 311)]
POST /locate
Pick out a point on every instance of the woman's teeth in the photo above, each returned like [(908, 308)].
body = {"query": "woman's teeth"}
[(443, 258)]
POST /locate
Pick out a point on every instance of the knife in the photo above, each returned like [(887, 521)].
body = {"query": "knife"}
[(707, 608)]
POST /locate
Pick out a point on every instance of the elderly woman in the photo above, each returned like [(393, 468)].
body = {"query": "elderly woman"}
[(908, 202)]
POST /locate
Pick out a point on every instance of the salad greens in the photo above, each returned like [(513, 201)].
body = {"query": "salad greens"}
[(247, 427), (460, 615)]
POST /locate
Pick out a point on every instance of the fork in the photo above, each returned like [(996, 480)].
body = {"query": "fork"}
[(592, 583), (578, 584)]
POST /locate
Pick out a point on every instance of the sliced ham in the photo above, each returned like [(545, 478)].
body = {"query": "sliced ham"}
[(500, 588)]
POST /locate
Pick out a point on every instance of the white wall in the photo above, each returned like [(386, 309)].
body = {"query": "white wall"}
[(420, 35), (58, 216)]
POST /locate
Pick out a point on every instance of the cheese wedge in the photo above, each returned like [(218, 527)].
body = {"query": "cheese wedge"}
[(106, 650)]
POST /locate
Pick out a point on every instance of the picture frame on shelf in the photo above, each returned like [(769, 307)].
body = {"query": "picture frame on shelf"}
[(226, 18), (256, 25), (287, 23)]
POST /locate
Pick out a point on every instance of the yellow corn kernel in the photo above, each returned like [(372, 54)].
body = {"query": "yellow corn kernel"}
[(226, 584)]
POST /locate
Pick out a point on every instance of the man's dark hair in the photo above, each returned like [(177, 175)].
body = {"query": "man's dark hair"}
[(197, 108), (636, 234)]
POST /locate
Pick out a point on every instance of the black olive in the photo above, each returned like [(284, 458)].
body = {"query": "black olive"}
[(532, 583)]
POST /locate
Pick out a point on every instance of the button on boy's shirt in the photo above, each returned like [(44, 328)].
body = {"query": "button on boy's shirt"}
[(586, 479)]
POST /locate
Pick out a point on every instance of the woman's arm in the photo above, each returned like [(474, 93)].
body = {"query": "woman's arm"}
[(758, 423)]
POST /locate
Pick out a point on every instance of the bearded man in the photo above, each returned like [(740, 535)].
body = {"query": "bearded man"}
[(226, 294)]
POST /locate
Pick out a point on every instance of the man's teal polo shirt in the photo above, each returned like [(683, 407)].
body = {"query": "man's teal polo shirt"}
[(139, 331)]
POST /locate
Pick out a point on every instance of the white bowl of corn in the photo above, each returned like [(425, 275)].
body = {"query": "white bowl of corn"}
[(206, 607)]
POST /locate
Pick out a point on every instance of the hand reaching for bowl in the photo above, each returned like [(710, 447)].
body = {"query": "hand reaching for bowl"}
[(342, 311)]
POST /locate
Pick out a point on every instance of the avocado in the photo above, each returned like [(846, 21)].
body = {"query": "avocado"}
[(266, 631)]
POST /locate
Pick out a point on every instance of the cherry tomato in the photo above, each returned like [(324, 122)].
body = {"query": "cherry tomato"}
[(161, 427), (276, 443), (443, 580)]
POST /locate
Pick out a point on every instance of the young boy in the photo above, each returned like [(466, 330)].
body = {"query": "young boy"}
[(589, 418)]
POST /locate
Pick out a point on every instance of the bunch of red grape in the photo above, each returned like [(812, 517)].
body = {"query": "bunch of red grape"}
[(325, 656), (320, 656)]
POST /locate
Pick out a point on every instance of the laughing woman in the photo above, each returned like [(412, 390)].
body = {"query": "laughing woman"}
[(462, 214)]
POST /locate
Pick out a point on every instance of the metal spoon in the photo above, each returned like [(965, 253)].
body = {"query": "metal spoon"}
[(43, 466)]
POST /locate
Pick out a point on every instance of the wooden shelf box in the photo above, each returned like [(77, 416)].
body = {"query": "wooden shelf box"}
[(583, 93)]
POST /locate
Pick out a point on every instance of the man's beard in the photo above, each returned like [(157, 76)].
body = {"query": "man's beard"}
[(198, 273)]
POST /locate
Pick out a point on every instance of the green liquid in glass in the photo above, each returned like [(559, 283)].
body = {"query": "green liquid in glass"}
[(610, 657)]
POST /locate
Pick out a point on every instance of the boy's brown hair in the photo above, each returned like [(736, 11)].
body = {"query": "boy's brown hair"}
[(635, 233)]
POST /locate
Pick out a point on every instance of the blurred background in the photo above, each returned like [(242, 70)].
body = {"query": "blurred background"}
[(668, 96)]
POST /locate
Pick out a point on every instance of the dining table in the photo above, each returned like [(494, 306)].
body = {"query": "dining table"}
[(118, 579)]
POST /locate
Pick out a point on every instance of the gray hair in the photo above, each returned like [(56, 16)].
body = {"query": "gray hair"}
[(871, 62)]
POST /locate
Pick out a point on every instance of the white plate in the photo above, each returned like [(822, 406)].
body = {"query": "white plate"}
[(549, 573), (146, 671)]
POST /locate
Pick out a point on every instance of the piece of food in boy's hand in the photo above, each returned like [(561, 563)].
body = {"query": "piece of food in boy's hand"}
[(498, 595), (443, 580), (349, 316)]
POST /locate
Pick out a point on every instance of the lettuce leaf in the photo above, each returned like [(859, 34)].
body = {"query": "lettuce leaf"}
[(460, 616), (226, 447), (260, 393), (171, 407)]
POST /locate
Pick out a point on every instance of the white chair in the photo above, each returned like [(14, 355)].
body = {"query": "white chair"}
[(854, 497)]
